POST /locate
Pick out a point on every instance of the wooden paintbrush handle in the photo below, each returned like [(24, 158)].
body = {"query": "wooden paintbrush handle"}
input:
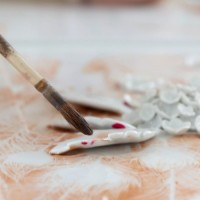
[(71, 115), (18, 62)]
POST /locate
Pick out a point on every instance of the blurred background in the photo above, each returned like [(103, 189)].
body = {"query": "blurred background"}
[(72, 33)]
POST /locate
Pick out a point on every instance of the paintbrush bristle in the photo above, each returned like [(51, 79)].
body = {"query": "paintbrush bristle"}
[(69, 113), (75, 119), (5, 47)]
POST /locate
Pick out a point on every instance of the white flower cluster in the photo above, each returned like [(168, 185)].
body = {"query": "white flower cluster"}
[(174, 109)]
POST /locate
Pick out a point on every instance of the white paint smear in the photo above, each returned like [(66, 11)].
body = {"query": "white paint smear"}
[(167, 157), (88, 176), (31, 158)]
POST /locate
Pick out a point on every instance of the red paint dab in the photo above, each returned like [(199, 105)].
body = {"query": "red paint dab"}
[(92, 142), (84, 142), (118, 125)]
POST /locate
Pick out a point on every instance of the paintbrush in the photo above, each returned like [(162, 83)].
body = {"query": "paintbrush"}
[(71, 115)]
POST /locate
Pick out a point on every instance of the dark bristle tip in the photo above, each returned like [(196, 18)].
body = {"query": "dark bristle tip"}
[(5, 47), (75, 119), (67, 111)]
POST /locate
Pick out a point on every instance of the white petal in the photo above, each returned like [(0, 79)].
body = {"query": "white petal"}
[(98, 102), (147, 112), (176, 126), (168, 110), (186, 110), (137, 135), (191, 120), (136, 84), (97, 123), (106, 123), (132, 117), (197, 98), (163, 114), (197, 124), (128, 100), (149, 95), (187, 100), (104, 138), (155, 123), (170, 95), (186, 88)]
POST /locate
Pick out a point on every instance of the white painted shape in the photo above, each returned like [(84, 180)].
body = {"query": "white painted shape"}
[(96, 123), (105, 138), (30, 158), (86, 175), (99, 102), (165, 157)]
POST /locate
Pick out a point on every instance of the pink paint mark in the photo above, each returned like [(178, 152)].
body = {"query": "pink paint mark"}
[(84, 142), (118, 125), (127, 104), (92, 142)]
